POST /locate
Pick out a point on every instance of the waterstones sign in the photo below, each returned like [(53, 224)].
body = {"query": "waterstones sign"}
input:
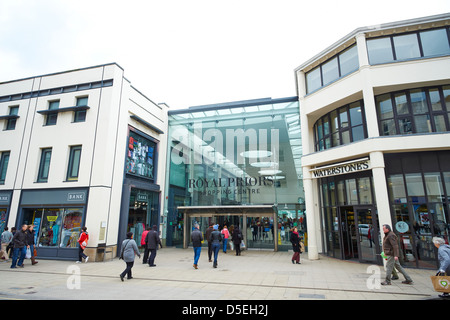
[(342, 168)]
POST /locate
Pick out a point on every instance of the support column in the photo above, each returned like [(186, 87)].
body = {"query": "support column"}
[(310, 203)]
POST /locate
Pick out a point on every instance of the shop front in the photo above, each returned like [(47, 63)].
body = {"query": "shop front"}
[(349, 214), (57, 216), (236, 164)]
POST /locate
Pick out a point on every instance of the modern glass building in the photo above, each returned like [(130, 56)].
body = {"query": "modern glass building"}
[(236, 164)]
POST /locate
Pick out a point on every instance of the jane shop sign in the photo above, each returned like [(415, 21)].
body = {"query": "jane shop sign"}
[(341, 168)]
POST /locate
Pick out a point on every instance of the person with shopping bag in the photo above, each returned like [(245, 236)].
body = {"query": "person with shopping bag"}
[(20, 247), (441, 281), (31, 245)]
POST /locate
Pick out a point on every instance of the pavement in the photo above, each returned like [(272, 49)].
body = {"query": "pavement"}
[(255, 275)]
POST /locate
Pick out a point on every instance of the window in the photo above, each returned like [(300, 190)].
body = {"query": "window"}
[(52, 117), (342, 64), (80, 115), (341, 126), (4, 160), (44, 165), (11, 123), (419, 110), (140, 156), (74, 163), (409, 46)]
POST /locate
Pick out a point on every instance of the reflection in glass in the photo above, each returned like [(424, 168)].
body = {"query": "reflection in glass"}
[(380, 50), (434, 42), (406, 46)]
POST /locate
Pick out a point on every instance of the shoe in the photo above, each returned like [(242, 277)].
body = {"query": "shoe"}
[(121, 277), (444, 296), (210, 260), (86, 260), (394, 278), (298, 262), (408, 282), (195, 266), (386, 283), (129, 278), (78, 262), (152, 265), (293, 262)]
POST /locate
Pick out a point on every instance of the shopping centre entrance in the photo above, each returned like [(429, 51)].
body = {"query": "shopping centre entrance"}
[(255, 221)]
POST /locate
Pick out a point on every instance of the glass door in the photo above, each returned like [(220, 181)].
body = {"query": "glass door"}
[(348, 233), (367, 234)]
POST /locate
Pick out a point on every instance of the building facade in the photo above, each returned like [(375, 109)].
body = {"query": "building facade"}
[(80, 148), (375, 115)]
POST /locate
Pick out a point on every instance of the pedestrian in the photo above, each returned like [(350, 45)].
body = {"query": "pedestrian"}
[(444, 260), (207, 235), (197, 238), (391, 250), (128, 251), (295, 240), (146, 251), (6, 240), (151, 242), (216, 239), (237, 237), (83, 242), (10, 247), (226, 235), (30, 243), (20, 247)]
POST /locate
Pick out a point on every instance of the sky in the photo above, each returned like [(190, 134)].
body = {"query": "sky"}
[(188, 52)]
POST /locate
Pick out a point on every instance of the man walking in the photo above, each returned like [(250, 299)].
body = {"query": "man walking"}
[(216, 239), (197, 238), (207, 235), (391, 250), (6, 240), (152, 240), (20, 247)]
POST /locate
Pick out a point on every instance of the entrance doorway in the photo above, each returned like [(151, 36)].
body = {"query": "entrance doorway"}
[(359, 233)]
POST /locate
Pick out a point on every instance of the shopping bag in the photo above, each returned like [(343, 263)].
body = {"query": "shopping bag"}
[(231, 245), (441, 283), (28, 254), (242, 244)]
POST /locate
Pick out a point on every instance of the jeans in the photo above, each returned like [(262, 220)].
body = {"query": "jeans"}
[(215, 248), (18, 251), (197, 251), (151, 260), (81, 254), (127, 271), (225, 241)]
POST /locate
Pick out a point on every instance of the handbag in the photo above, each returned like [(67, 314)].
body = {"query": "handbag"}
[(441, 283), (121, 253)]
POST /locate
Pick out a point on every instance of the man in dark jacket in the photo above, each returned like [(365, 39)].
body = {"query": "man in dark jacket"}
[(207, 235), (20, 247), (197, 238), (391, 250), (215, 238), (151, 242)]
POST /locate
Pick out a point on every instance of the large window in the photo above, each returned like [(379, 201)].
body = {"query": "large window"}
[(414, 111), (141, 156), (44, 166), (341, 126), (339, 66), (74, 163), (408, 46), (419, 193), (4, 160)]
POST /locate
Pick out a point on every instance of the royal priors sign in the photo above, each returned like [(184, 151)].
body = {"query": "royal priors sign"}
[(341, 168)]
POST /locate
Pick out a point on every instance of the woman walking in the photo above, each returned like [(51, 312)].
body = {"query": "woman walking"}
[(128, 251), (83, 241), (295, 240), (444, 260), (215, 238)]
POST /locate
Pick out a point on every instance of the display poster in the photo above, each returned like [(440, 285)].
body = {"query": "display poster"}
[(140, 156)]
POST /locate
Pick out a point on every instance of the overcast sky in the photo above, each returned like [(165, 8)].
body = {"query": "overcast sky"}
[(188, 52)]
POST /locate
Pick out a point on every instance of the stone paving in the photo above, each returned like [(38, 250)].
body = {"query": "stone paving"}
[(255, 275)]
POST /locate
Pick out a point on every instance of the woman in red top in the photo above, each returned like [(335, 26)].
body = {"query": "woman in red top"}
[(82, 241)]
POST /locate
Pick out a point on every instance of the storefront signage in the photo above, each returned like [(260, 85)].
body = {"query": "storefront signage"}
[(230, 185), (76, 196), (341, 168)]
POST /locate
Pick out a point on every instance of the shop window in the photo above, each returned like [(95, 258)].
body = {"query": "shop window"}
[(140, 160), (44, 166)]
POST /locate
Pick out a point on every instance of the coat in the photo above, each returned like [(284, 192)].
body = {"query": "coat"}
[(444, 258), (128, 250), (295, 240), (390, 244), (237, 236), (197, 238), (215, 237), (20, 239), (152, 240), (84, 237)]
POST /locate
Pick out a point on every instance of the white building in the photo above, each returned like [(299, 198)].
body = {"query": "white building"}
[(80, 148), (374, 110)]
